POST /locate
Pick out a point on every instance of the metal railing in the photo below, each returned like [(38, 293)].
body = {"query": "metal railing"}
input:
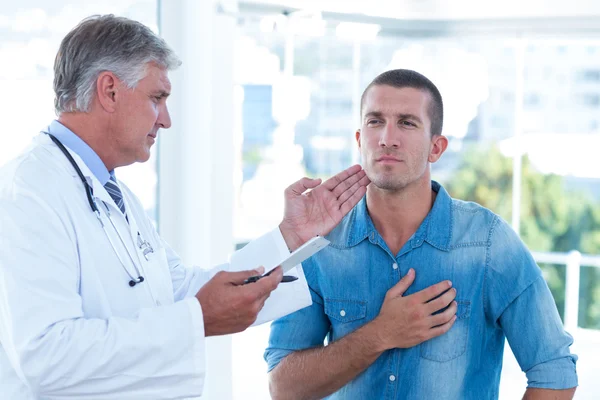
[(573, 260)]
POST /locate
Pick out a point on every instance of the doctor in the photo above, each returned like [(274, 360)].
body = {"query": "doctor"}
[(93, 304)]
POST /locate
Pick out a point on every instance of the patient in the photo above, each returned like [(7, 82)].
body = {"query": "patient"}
[(417, 291)]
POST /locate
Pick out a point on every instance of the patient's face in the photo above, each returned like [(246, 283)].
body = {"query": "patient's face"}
[(395, 138)]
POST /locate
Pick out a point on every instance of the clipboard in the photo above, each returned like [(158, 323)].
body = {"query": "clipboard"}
[(303, 252)]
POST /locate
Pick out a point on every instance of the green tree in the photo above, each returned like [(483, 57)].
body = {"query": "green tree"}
[(552, 218)]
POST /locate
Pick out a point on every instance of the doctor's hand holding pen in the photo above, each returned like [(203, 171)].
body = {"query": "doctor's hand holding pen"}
[(228, 305)]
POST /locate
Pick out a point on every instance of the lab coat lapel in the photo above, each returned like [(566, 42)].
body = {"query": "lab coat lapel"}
[(127, 229)]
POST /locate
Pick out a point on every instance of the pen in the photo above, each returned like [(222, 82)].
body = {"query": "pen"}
[(285, 279)]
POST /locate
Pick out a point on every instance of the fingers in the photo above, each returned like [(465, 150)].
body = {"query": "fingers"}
[(433, 291), (440, 330), (301, 186), (238, 278), (264, 286), (335, 180), (353, 200), (353, 195), (441, 302), (346, 194), (401, 287), (347, 184), (444, 317), (344, 184)]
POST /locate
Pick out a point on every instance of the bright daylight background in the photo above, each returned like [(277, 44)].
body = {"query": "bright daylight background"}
[(521, 86)]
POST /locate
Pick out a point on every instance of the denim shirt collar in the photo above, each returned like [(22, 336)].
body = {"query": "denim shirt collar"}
[(436, 228)]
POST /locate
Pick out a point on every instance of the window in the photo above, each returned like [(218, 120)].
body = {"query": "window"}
[(30, 39), (589, 75), (591, 100), (532, 100), (479, 80)]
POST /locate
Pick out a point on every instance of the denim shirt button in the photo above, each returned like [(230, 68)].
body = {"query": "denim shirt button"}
[(395, 266), (343, 313), (392, 378)]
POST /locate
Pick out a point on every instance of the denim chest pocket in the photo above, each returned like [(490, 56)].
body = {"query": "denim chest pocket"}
[(345, 315), (453, 343)]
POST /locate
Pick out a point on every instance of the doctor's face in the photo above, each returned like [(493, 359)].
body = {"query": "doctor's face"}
[(395, 139), (141, 113)]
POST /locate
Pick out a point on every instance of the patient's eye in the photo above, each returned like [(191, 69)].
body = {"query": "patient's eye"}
[(373, 122)]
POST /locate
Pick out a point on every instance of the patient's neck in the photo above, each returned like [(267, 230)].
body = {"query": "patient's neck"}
[(398, 214)]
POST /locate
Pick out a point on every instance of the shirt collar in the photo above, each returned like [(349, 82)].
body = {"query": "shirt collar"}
[(82, 149), (436, 228), (361, 226)]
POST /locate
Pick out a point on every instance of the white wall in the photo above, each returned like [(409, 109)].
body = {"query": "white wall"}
[(195, 156)]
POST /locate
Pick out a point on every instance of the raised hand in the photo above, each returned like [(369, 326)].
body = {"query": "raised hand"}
[(322, 208)]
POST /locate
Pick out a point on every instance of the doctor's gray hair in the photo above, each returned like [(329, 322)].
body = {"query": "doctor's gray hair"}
[(105, 43)]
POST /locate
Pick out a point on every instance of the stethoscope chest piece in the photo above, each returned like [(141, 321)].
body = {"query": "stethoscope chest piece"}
[(134, 282)]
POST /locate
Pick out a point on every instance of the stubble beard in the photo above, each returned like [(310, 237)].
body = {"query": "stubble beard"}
[(388, 180)]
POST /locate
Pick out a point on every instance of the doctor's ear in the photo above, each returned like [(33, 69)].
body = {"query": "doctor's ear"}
[(357, 136), (107, 90)]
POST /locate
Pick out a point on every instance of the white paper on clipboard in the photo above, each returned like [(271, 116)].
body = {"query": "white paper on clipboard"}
[(302, 253), (254, 255), (270, 251)]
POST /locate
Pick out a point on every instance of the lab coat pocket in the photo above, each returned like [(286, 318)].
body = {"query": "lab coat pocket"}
[(157, 270), (453, 343)]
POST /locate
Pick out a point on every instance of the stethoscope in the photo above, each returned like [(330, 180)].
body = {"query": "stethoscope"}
[(143, 245)]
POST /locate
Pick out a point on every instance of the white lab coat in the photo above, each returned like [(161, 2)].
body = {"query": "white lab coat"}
[(70, 325)]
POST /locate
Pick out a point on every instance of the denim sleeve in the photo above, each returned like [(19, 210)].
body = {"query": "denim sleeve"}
[(520, 303), (301, 330), (536, 336)]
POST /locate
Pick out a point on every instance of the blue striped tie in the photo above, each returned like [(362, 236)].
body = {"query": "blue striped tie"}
[(113, 189)]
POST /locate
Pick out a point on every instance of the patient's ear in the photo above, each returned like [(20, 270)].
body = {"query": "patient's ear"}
[(439, 144)]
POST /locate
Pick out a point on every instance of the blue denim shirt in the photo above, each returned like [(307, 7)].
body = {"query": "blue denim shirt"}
[(500, 293)]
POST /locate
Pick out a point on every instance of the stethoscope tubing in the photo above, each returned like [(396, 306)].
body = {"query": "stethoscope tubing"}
[(93, 205)]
